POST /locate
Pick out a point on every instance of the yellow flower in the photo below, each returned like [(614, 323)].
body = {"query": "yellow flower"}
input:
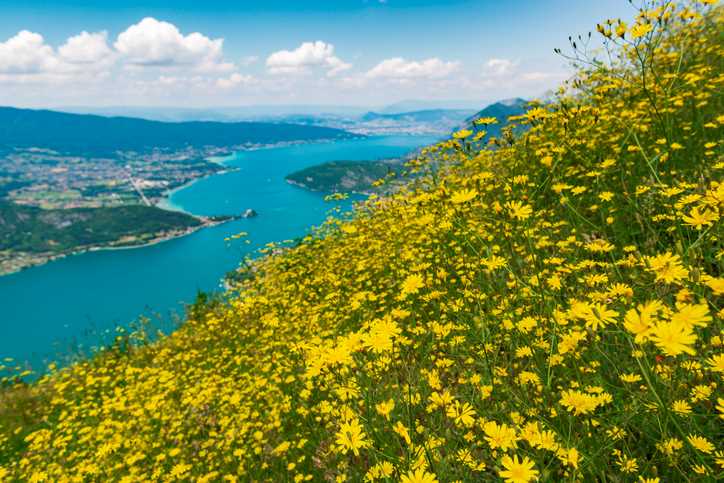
[(486, 120), (569, 457), (720, 407), (351, 437), (599, 316), (384, 408), (179, 470), (412, 284), (500, 436), (630, 378), (716, 363), (673, 338), (670, 446), (418, 476), (667, 267), (518, 471), (691, 316), (463, 414), (700, 219), (716, 285), (494, 262), (579, 402), (401, 430), (518, 210), (640, 29), (462, 134), (681, 407), (621, 29), (627, 464), (700, 443), (463, 196), (641, 322)]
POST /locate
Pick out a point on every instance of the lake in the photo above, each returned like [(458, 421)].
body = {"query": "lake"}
[(69, 305)]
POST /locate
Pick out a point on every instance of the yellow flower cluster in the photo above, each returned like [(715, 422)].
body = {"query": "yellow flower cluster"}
[(542, 305)]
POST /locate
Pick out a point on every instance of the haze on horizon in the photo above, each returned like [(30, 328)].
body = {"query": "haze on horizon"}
[(60, 53)]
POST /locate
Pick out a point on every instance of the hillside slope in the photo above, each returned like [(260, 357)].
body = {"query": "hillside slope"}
[(550, 308)]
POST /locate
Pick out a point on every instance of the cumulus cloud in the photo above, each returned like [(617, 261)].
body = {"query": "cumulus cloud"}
[(500, 67), (234, 80), (86, 48), (27, 58), (26, 53), (402, 69), (304, 57), (151, 42)]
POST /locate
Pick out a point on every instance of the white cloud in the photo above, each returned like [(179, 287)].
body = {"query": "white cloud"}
[(26, 53), (86, 48), (26, 58), (304, 57), (234, 80), (156, 43), (401, 69), (500, 67)]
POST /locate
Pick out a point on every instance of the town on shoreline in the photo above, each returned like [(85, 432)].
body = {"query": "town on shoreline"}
[(156, 178)]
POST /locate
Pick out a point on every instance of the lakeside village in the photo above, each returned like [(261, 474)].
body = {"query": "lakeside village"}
[(42, 178)]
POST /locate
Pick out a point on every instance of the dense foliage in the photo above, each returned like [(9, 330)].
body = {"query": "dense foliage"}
[(549, 309), (31, 229), (98, 135)]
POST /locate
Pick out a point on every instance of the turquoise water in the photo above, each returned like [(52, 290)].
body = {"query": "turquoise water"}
[(68, 305)]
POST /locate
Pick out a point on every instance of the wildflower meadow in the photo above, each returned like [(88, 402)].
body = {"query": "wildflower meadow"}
[(542, 305)]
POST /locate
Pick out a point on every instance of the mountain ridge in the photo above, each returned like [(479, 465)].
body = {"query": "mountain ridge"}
[(83, 133)]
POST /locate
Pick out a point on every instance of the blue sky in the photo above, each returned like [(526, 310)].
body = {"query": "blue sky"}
[(355, 52)]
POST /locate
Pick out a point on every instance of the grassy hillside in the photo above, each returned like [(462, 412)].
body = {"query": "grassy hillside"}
[(549, 309)]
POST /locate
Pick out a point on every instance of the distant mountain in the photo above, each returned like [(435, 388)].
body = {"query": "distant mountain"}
[(500, 110), (91, 134), (271, 113), (421, 105), (429, 115), (359, 176)]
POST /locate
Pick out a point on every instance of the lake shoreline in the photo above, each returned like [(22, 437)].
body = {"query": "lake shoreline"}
[(11, 266), (111, 288), (45, 258)]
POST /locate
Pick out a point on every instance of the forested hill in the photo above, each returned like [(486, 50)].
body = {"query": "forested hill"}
[(90, 134), (34, 230)]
